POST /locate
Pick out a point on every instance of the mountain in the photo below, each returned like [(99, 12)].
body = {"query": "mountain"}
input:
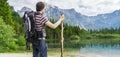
[(21, 12), (70, 15), (87, 22), (107, 20)]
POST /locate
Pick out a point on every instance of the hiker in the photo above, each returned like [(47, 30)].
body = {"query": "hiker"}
[(40, 49)]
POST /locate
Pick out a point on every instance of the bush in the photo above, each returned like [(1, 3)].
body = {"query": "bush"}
[(7, 40), (21, 41), (74, 39)]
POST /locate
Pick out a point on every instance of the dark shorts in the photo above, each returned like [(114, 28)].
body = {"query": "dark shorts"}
[(40, 49)]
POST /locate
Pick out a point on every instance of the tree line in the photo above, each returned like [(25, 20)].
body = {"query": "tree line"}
[(106, 31)]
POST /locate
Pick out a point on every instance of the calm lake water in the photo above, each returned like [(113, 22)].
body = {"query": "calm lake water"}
[(99, 51)]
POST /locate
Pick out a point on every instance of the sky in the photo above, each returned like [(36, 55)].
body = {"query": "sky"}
[(85, 7)]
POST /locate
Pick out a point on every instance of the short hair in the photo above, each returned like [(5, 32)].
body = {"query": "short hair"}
[(40, 6)]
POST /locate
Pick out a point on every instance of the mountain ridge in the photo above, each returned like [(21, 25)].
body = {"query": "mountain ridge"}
[(72, 17)]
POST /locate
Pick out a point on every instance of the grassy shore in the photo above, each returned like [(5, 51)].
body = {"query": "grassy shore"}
[(52, 52)]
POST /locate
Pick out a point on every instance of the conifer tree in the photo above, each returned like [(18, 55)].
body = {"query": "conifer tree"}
[(5, 12)]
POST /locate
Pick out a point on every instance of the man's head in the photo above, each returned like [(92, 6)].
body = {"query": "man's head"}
[(40, 6)]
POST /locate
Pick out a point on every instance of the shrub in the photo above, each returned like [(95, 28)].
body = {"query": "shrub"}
[(7, 40), (21, 41), (74, 39)]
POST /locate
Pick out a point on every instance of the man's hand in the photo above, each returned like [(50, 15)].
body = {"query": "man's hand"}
[(62, 17)]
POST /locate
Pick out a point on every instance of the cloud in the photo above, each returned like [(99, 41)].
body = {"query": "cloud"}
[(85, 7), (18, 4), (94, 7)]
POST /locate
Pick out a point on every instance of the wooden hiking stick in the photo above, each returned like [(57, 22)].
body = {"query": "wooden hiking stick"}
[(62, 40)]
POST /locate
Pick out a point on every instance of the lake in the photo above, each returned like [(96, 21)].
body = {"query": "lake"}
[(99, 51)]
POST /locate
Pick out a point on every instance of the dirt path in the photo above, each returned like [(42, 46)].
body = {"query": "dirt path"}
[(15, 55)]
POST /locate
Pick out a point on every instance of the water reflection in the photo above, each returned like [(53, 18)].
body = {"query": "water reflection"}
[(100, 51)]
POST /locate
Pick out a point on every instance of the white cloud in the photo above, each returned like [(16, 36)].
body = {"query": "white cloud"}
[(85, 7), (18, 4), (94, 7)]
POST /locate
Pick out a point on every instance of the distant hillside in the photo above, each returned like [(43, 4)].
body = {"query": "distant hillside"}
[(87, 22)]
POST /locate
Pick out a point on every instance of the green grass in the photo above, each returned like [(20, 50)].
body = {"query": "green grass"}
[(55, 52), (58, 55), (68, 52)]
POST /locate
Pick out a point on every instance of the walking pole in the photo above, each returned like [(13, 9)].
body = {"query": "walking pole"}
[(62, 39)]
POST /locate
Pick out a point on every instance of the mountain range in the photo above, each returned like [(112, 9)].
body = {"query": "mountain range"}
[(108, 20)]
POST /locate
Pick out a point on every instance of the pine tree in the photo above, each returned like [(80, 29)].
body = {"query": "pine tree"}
[(18, 24), (5, 12)]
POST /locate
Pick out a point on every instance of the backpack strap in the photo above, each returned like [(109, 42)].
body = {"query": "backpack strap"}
[(29, 23)]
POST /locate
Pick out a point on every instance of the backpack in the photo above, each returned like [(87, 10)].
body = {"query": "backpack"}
[(29, 26)]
